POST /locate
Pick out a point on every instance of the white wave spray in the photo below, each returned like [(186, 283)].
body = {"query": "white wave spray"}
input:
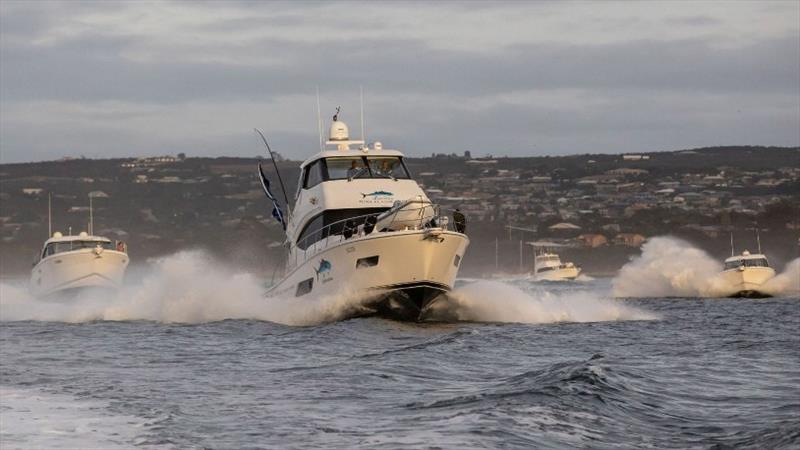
[(671, 267), (787, 282), (187, 287), (495, 301)]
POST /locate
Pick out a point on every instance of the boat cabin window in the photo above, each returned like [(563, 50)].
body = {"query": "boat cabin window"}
[(331, 223), (59, 247), (354, 167), (315, 174), (387, 167), (347, 168), (758, 262)]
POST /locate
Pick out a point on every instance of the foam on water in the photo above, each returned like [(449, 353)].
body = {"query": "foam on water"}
[(32, 419), (187, 287), (671, 267), (494, 301), (190, 287)]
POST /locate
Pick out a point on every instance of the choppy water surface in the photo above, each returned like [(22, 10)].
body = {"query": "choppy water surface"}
[(581, 371)]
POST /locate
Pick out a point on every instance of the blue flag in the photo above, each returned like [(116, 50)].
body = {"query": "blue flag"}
[(277, 213)]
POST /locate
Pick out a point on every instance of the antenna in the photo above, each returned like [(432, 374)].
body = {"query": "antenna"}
[(732, 252), (496, 255), (363, 133), (319, 122), (758, 239), (91, 216), (49, 216)]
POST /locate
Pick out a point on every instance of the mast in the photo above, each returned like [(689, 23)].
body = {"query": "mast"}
[(363, 133), (91, 216), (758, 239), (319, 123), (732, 253), (49, 216), (520, 255), (496, 255)]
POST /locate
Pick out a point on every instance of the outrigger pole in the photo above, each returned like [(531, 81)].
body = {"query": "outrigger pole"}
[(280, 180)]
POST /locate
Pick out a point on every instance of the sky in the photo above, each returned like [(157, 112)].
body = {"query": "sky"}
[(142, 78)]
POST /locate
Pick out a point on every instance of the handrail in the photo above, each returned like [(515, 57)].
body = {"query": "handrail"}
[(434, 221)]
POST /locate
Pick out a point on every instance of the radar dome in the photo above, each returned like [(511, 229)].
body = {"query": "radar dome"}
[(57, 234), (339, 131), (83, 234)]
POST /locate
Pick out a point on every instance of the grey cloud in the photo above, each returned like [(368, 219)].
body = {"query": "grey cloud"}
[(93, 68), (426, 85)]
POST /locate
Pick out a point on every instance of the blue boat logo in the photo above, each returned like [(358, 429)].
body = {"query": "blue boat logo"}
[(324, 269), (377, 194)]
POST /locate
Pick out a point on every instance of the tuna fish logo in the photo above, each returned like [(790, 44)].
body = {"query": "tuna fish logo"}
[(377, 194), (324, 267)]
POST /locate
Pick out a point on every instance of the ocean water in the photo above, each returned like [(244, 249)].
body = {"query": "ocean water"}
[(178, 360)]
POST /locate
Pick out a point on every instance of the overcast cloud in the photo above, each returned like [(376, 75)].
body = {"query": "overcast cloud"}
[(112, 79)]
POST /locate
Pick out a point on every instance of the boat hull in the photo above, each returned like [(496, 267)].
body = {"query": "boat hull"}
[(395, 274), (563, 274), (76, 271), (747, 282)]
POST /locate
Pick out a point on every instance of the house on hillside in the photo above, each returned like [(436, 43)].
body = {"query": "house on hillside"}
[(629, 239), (592, 240)]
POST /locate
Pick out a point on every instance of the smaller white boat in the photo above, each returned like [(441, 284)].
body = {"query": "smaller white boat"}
[(547, 266), (67, 264), (746, 274)]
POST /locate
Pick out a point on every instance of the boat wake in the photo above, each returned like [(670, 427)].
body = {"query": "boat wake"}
[(191, 287), (495, 301), (186, 287), (671, 267)]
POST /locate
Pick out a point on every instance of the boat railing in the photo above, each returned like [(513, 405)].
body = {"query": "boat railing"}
[(363, 225)]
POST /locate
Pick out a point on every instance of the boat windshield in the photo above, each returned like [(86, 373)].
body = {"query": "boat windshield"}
[(59, 247), (548, 258), (756, 262), (352, 167)]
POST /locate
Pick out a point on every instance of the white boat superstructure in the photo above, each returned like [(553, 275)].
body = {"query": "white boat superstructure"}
[(68, 263), (547, 266), (746, 274), (362, 226)]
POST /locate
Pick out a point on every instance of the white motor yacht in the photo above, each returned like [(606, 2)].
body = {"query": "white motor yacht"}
[(547, 266), (362, 226), (746, 273), (71, 263)]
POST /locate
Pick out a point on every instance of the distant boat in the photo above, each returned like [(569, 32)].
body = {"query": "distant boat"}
[(68, 264), (71, 263), (747, 273), (548, 267)]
